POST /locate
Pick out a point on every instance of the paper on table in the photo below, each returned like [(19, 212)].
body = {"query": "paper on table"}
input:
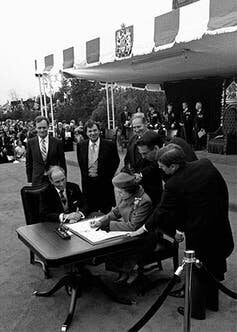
[(93, 236)]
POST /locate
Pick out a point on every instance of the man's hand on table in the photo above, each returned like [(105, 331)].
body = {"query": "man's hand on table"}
[(72, 217)]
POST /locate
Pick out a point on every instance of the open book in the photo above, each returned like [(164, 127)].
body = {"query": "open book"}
[(93, 236)]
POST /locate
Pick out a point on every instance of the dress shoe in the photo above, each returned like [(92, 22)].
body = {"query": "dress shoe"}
[(199, 317)]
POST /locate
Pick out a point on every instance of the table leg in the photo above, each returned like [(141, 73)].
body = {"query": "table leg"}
[(62, 282), (73, 281), (72, 307)]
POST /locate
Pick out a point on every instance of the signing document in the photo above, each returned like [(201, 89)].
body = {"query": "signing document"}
[(94, 235)]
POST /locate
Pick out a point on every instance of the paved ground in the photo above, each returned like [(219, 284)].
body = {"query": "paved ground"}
[(95, 312)]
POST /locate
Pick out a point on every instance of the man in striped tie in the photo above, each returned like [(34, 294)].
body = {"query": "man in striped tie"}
[(42, 152)]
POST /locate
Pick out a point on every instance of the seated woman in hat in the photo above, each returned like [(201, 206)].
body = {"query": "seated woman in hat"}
[(133, 207)]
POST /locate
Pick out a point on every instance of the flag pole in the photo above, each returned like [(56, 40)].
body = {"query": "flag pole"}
[(40, 90), (112, 102), (107, 102), (51, 103), (45, 102)]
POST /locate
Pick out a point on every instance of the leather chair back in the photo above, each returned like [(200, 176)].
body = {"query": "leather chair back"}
[(31, 196)]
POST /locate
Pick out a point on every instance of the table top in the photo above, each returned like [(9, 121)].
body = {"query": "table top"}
[(42, 239)]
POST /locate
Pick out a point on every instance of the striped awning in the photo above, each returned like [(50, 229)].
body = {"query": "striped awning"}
[(183, 42)]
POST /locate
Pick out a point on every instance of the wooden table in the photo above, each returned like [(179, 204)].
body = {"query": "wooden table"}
[(42, 239)]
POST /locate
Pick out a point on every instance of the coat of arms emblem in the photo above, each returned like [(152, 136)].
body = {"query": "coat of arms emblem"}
[(124, 41)]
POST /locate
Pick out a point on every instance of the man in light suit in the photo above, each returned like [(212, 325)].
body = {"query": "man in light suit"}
[(62, 201), (98, 161), (42, 152)]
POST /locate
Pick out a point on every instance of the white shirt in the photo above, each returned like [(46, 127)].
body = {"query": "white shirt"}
[(65, 195), (96, 146)]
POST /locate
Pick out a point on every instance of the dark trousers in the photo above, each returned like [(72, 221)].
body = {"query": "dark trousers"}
[(204, 293)]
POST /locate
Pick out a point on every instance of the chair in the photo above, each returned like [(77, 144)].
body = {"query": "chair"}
[(165, 248), (224, 139), (30, 196)]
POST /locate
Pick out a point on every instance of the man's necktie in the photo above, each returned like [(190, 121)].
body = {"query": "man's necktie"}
[(93, 152), (43, 150), (63, 198)]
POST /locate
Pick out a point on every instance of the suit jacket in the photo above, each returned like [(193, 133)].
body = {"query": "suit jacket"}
[(132, 211), (35, 166), (190, 155), (102, 190), (133, 161), (108, 160), (51, 206), (152, 175), (195, 200)]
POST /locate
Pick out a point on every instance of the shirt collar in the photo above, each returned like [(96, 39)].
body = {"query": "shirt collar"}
[(97, 143), (58, 191), (46, 139)]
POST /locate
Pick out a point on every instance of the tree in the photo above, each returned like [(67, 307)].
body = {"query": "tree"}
[(130, 98), (77, 99)]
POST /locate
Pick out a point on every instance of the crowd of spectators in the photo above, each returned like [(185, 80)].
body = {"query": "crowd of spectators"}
[(15, 133), (185, 122), (13, 139)]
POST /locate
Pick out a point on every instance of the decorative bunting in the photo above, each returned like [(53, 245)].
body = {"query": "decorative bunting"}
[(166, 28), (48, 62), (68, 58), (223, 13), (93, 50), (181, 3)]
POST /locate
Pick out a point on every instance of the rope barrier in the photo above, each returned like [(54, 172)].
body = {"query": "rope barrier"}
[(158, 303), (220, 286), (150, 313)]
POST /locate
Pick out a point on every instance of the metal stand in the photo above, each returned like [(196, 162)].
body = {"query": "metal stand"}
[(189, 259)]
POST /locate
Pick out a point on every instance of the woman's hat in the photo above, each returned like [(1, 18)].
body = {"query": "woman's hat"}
[(124, 181)]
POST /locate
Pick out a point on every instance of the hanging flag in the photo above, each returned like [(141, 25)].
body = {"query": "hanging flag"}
[(36, 65), (166, 28), (48, 62), (93, 50), (68, 58), (223, 14), (181, 3)]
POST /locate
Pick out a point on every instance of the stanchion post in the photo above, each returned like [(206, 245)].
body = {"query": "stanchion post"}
[(189, 259)]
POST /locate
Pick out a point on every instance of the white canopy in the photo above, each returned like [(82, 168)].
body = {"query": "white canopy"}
[(170, 51)]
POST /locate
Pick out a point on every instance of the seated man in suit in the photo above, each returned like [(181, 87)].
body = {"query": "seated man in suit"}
[(63, 201)]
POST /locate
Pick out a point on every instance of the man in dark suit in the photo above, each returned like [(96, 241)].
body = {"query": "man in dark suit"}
[(187, 117), (98, 161), (62, 201), (125, 118), (195, 202), (146, 170), (42, 152), (190, 155)]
